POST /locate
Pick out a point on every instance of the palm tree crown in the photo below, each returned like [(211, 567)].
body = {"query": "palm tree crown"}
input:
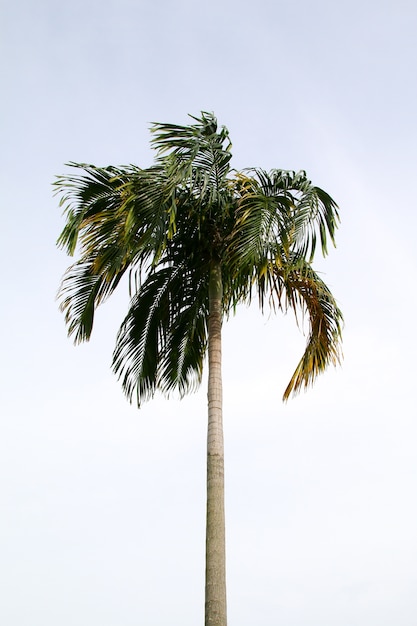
[(168, 226)]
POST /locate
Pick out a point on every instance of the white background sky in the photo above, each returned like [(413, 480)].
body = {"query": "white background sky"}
[(103, 506)]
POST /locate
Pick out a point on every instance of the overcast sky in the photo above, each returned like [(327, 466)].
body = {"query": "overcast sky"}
[(103, 505)]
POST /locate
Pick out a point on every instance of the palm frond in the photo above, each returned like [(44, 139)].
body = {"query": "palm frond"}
[(296, 286), (302, 213), (82, 289), (262, 222), (95, 191), (121, 220), (196, 157), (162, 341)]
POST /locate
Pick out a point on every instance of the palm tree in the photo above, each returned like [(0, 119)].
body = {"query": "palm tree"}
[(196, 239)]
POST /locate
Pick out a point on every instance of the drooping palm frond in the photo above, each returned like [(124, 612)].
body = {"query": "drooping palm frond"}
[(289, 283), (162, 341), (121, 220), (93, 192), (306, 290), (81, 291), (127, 206), (295, 285)]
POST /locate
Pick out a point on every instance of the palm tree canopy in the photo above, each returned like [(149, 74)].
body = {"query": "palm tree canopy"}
[(167, 226)]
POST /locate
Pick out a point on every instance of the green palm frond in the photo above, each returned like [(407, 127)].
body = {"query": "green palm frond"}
[(284, 208), (82, 290), (121, 221), (261, 221), (125, 205), (162, 341), (196, 157), (93, 192)]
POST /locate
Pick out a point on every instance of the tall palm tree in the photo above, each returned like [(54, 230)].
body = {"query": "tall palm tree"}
[(196, 239)]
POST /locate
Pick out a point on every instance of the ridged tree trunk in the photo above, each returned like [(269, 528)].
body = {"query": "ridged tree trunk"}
[(215, 605)]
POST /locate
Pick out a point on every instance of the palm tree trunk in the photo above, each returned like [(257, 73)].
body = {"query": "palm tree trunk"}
[(215, 606)]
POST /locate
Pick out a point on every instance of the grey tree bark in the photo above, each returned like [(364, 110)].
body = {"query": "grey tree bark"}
[(215, 603)]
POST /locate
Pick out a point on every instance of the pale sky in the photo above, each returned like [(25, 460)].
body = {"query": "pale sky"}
[(103, 505)]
